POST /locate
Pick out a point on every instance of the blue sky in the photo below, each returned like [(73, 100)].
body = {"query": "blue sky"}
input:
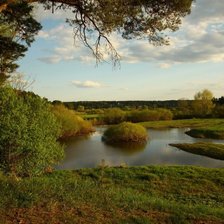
[(193, 61)]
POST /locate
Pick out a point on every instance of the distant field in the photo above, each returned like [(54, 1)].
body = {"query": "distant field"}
[(191, 123), (148, 194)]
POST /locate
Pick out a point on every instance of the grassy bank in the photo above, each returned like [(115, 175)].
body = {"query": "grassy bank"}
[(191, 123), (214, 132), (212, 150), (152, 194), (200, 128)]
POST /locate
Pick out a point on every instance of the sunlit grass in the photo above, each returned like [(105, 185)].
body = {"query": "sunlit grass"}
[(191, 123)]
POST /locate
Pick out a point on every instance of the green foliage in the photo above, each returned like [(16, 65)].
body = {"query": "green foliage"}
[(212, 150), (218, 111), (204, 95), (72, 124), (150, 115), (125, 132), (17, 31), (29, 132), (114, 116)]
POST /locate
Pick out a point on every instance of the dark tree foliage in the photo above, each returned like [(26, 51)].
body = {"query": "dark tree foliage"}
[(17, 31), (95, 20), (219, 101)]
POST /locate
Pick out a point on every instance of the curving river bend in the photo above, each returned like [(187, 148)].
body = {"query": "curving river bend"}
[(90, 151)]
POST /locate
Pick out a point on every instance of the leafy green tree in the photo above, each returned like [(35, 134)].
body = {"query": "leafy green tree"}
[(29, 132), (202, 104)]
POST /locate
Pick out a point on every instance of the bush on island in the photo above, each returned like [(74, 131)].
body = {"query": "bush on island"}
[(125, 132)]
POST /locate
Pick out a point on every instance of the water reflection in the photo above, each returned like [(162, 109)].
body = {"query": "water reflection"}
[(90, 151), (128, 148)]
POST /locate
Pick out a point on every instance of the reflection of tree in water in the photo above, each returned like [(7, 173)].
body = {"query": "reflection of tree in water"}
[(128, 148), (72, 141)]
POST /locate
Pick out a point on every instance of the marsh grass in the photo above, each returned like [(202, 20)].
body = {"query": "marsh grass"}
[(215, 132), (212, 150), (214, 124)]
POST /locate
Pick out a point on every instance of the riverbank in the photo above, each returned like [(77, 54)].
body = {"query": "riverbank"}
[(188, 123), (148, 194), (215, 151)]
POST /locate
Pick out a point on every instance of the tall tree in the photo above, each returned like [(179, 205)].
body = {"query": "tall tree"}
[(202, 104), (17, 31)]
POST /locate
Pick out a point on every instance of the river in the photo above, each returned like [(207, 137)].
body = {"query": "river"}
[(86, 152)]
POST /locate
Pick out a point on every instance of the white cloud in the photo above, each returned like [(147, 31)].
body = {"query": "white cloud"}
[(164, 65), (87, 84)]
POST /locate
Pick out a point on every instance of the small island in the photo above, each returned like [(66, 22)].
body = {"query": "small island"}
[(125, 132)]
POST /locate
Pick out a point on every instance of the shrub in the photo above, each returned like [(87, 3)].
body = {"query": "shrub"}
[(29, 132), (114, 116), (125, 132), (72, 124), (150, 115)]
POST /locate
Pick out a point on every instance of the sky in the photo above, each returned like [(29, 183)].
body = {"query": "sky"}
[(67, 71)]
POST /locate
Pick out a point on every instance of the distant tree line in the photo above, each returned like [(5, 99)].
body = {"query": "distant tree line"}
[(204, 105), (140, 104)]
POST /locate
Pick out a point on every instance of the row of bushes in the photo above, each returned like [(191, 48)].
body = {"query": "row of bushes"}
[(116, 115), (187, 113)]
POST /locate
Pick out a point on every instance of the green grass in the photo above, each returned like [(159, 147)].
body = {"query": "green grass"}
[(191, 123), (201, 128), (148, 194), (213, 132), (212, 150)]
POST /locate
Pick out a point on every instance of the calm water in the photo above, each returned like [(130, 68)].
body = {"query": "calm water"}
[(91, 151)]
